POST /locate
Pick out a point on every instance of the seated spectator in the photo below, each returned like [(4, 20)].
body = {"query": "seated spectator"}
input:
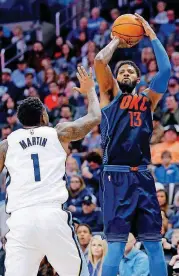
[(152, 71), (58, 48), (74, 34), (36, 56), (96, 255), (162, 197), (173, 268), (12, 120), (67, 63), (164, 223), (19, 40), (66, 84), (102, 37), (89, 47), (91, 170), (170, 49), (90, 214), (146, 56), (174, 38), (171, 114), (5, 131), (7, 85), (52, 100), (161, 17), (49, 76), (84, 235), (18, 76), (72, 167), (175, 62), (158, 130), (92, 140), (65, 112), (94, 21), (88, 61), (33, 92), (79, 43), (173, 90), (114, 13), (29, 82), (174, 222), (167, 172), (135, 262), (77, 191), (170, 143), (46, 64), (168, 28)]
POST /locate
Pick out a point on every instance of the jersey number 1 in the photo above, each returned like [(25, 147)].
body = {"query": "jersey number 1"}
[(35, 159)]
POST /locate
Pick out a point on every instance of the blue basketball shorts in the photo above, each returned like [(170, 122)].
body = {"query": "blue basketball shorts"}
[(129, 204)]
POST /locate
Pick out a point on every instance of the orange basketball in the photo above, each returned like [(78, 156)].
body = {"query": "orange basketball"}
[(129, 28)]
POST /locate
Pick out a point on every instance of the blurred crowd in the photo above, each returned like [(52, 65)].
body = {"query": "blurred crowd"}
[(51, 77)]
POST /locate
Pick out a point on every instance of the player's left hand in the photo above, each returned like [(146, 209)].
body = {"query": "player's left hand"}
[(148, 30)]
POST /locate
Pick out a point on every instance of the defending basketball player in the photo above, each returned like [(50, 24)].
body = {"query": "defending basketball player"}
[(35, 157), (128, 195)]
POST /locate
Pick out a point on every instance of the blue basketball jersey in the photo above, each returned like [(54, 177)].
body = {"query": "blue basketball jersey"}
[(126, 129)]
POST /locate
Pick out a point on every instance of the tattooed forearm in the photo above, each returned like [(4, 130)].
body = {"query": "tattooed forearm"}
[(72, 131), (3, 150), (106, 53)]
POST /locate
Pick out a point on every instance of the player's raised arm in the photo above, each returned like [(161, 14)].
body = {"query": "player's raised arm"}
[(3, 150), (72, 131), (159, 83)]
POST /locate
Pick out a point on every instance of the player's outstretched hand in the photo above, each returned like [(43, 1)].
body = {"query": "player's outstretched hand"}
[(85, 79), (148, 30), (122, 42)]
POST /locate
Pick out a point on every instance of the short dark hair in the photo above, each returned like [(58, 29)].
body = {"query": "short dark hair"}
[(94, 157), (29, 111), (86, 225), (166, 153), (129, 62)]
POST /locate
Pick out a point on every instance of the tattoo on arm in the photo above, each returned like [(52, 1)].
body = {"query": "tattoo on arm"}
[(73, 131), (3, 151), (106, 53)]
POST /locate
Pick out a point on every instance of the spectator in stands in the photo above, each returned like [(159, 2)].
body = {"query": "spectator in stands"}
[(161, 17), (151, 72), (102, 37), (18, 76), (72, 167), (91, 170), (92, 140), (167, 172), (36, 56), (6, 84), (79, 43), (141, 7), (89, 47), (173, 90), (96, 255), (170, 143), (58, 47), (12, 120), (135, 262), (77, 191), (5, 131), (29, 82), (168, 28), (174, 222), (158, 130), (49, 76), (95, 20), (173, 267), (170, 49), (67, 63), (115, 13), (75, 34), (19, 40), (46, 64), (175, 62), (65, 112), (90, 214), (163, 202), (33, 92), (146, 56), (174, 38), (52, 100), (88, 61), (84, 235), (164, 223), (171, 114)]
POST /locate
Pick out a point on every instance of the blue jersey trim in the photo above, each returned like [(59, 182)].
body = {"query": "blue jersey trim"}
[(113, 101)]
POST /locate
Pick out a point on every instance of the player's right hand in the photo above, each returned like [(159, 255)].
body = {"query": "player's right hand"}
[(86, 80), (122, 42)]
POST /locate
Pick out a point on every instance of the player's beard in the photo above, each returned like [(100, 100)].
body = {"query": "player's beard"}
[(127, 87)]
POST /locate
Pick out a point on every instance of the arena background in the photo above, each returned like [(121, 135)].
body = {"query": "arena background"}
[(41, 44)]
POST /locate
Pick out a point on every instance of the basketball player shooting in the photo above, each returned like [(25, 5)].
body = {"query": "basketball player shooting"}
[(128, 195), (35, 158)]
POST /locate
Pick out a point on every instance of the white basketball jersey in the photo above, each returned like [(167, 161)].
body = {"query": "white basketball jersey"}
[(35, 161)]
